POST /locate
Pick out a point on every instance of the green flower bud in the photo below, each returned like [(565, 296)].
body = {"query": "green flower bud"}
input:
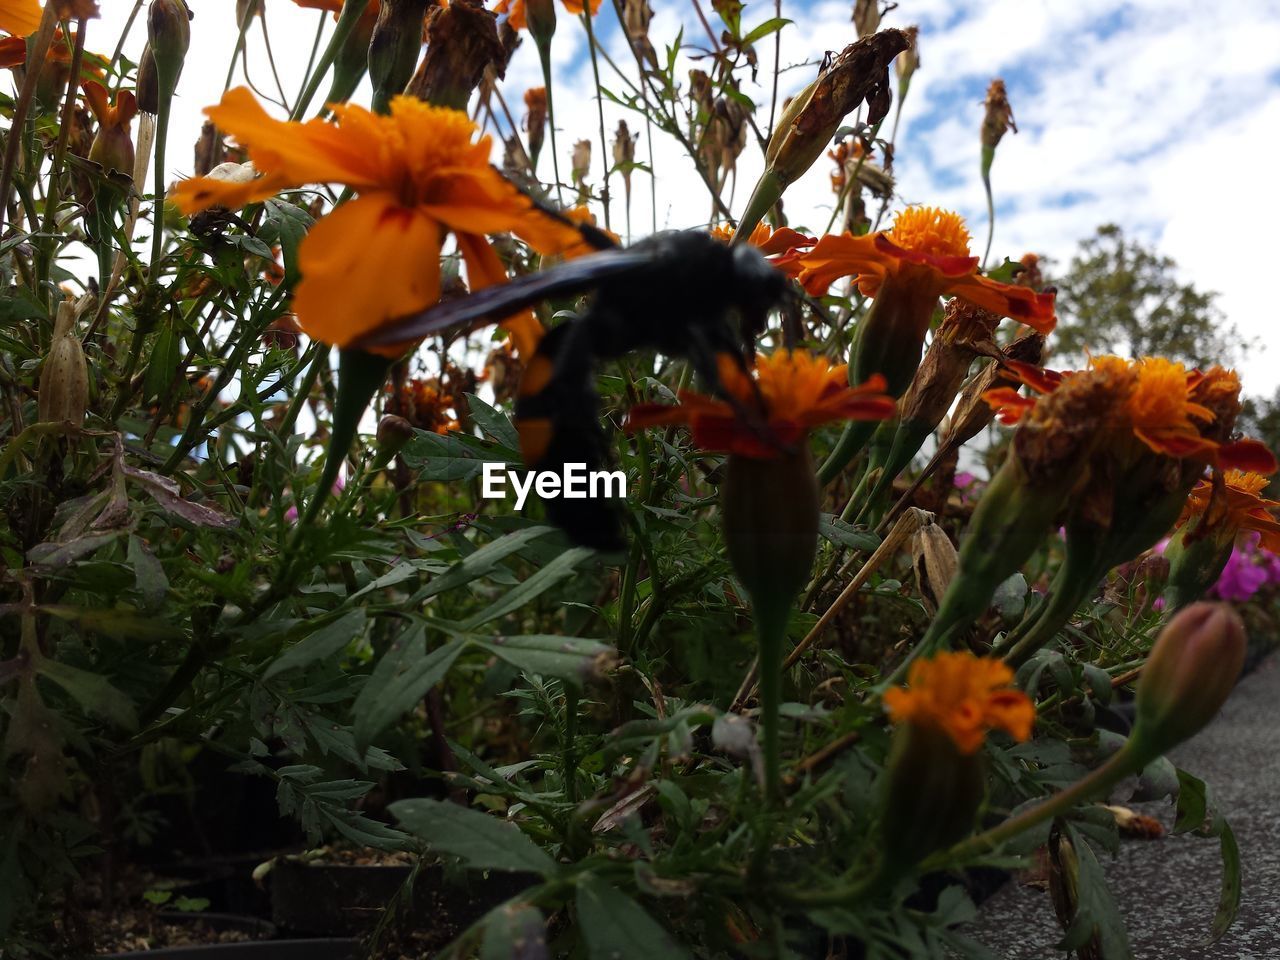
[(169, 36), (1192, 669), (394, 47), (931, 796)]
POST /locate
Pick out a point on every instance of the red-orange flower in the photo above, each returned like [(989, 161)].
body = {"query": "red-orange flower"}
[(928, 250), (963, 696), (798, 391), (419, 173), (113, 144)]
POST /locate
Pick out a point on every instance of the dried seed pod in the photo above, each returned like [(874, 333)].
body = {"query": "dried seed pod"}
[(933, 560), (462, 43), (64, 378)]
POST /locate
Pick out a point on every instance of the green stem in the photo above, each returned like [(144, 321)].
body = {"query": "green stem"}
[(544, 55), (570, 758), (1096, 784), (352, 10), (771, 628)]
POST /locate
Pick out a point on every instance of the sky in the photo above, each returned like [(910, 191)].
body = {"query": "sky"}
[(1162, 116)]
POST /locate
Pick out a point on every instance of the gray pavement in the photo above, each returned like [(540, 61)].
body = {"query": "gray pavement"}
[(1167, 890)]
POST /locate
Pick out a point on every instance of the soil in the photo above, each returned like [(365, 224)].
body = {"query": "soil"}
[(123, 930)]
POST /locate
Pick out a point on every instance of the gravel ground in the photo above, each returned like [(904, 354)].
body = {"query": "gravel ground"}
[(1168, 889)]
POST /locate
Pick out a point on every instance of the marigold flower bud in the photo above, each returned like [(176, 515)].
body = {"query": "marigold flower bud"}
[(394, 47), (148, 90), (1192, 669), (64, 378), (169, 37), (541, 16), (998, 119), (393, 433), (866, 17)]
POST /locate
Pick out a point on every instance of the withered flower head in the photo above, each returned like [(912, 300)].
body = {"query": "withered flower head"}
[(965, 332), (998, 119), (973, 412), (908, 61), (859, 74), (581, 160), (535, 119), (462, 43)]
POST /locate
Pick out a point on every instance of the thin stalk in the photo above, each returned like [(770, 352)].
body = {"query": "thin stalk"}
[(36, 55), (604, 143), (352, 10)]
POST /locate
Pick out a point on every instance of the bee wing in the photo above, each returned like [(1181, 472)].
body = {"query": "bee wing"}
[(497, 302)]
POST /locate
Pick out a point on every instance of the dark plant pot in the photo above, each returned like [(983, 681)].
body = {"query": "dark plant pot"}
[(337, 899), (341, 948)]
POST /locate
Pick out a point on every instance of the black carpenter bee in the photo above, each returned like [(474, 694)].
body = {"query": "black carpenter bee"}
[(676, 293)]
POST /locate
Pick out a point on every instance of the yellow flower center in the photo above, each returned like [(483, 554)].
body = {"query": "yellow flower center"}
[(1160, 396), (931, 231), (1251, 483)]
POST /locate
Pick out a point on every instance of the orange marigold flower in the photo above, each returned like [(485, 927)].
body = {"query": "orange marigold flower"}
[(927, 249), (798, 391), (1241, 504), (518, 16), (770, 242), (19, 17), (419, 173), (964, 696)]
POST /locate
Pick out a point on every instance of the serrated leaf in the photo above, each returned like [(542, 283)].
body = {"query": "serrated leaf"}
[(93, 692), (480, 840), (481, 561), (493, 422), (615, 927), (574, 659), (558, 569), (400, 680), (320, 645)]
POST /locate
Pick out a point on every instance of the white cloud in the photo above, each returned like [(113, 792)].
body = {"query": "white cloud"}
[(1160, 115)]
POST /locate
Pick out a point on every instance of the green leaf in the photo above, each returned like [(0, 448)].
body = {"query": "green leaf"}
[(842, 534), (772, 25), (514, 931), (1229, 899), (493, 422), (558, 569), (574, 659), (1193, 803), (148, 573), (1096, 911), (615, 927), (166, 354), (480, 840), (92, 691), (400, 680), (481, 562), (320, 645)]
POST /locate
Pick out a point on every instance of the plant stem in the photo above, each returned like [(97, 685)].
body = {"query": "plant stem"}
[(604, 143)]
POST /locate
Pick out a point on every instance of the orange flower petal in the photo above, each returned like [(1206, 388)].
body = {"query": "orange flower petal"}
[(20, 17), (1036, 310), (484, 269), (369, 261)]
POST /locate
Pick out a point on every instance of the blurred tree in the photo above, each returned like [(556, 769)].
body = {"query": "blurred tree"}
[(1119, 296), (1260, 418)]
